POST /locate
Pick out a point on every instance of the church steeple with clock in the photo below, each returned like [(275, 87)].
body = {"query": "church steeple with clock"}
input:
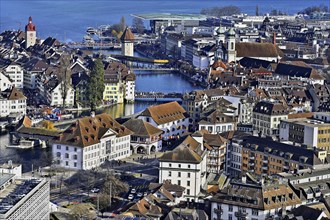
[(30, 34)]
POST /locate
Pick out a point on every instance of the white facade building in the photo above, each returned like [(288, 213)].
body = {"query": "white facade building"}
[(267, 117), (90, 141), (185, 166), (54, 96), (5, 82), (169, 117), (15, 73), (12, 101)]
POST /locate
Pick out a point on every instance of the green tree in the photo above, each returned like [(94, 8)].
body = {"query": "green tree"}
[(95, 87), (138, 25), (122, 23)]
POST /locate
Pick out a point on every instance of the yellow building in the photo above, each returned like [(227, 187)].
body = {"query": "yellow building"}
[(119, 83), (113, 92)]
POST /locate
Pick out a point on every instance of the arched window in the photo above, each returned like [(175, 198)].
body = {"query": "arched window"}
[(232, 45), (58, 154)]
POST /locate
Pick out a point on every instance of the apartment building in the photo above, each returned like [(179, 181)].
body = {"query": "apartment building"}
[(217, 122), (5, 82), (312, 184), (23, 198), (250, 200), (119, 83), (310, 132), (169, 117), (12, 102), (216, 147), (264, 157), (185, 166), (15, 72), (32, 69), (54, 94), (197, 101), (90, 141), (266, 117)]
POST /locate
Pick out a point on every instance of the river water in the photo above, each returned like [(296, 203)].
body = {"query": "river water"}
[(145, 81)]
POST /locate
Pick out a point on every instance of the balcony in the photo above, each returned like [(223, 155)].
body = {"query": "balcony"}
[(241, 214)]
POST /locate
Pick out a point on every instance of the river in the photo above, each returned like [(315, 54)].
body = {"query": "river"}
[(145, 81)]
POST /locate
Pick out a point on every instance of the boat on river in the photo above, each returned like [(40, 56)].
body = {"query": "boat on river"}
[(27, 144)]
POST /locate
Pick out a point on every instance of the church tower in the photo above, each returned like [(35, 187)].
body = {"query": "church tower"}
[(231, 45), (30, 34), (127, 43), (220, 40)]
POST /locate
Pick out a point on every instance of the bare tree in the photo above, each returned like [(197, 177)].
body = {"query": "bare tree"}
[(64, 76)]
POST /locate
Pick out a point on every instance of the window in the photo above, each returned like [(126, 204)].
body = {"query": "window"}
[(188, 175), (66, 155), (188, 183), (188, 165), (188, 191), (66, 148), (255, 212), (58, 154), (75, 164), (179, 165), (66, 163), (179, 182), (179, 174), (170, 165), (75, 157), (75, 149), (59, 147), (169, 173), (230, 208), (230, 217)]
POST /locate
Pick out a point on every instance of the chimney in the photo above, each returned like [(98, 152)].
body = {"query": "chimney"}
[(274, 38), (244, 179)]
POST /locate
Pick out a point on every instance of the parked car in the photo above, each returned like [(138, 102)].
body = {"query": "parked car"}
[(133, 191), (95, 190), (139, 194), (130, 197)]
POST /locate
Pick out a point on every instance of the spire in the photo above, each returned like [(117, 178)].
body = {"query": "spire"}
[(30, 26)]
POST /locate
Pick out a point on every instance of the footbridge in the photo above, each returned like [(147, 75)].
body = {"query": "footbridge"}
[(158, 96)]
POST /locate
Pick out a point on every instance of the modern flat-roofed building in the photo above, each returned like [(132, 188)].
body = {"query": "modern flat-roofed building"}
[(160, 21), (310, 132), (23, 198)]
